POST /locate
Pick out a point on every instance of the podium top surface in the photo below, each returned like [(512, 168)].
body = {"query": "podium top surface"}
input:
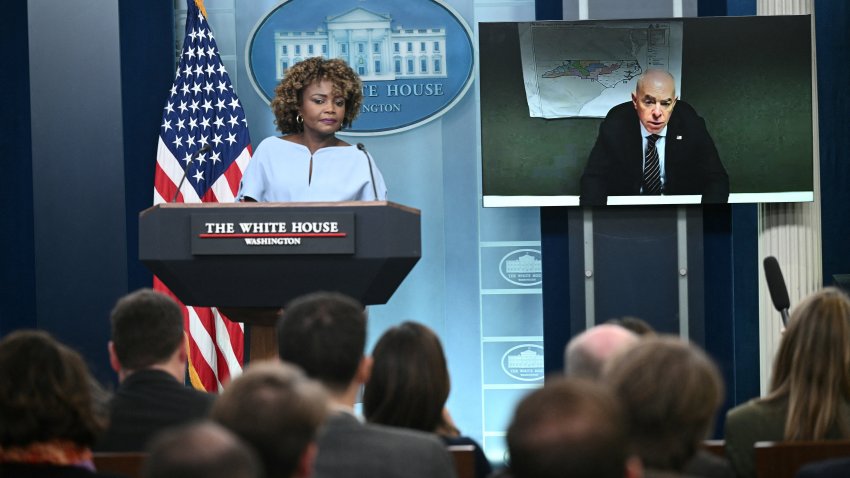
[(275, 205)]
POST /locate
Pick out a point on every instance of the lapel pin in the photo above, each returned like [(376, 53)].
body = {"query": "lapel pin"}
[(678, 136)]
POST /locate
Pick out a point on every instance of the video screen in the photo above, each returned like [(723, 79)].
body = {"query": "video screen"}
[(657, 111)]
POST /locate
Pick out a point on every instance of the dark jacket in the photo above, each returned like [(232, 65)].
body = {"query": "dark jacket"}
[(146, 402), (353, 449), (691, 163)]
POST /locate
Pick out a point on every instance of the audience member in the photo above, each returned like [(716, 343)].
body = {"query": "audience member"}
[(200, 450), (589, 351), (809, 395), (409, 386), (636, 325), (278, 411), (325, 334), (835, 468), (570, 427), (670, 391), (47, 417), (148, 352)]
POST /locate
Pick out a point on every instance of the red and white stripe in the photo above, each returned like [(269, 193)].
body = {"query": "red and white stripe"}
[(215, 344)]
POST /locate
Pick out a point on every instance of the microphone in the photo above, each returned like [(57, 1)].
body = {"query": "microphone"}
[(199, 152), (361, 147), (776, 286)]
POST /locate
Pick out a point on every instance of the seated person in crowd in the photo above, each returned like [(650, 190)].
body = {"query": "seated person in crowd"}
[(835, 468), (148, 352), (589, 351), (48, 420), (671, 391), (325, 335), (570, 428), (410, 384), (278, 412), (200, 450), (809, 395)]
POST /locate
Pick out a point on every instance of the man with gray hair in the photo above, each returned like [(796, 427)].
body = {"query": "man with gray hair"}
[(589, 351), (652, 145)]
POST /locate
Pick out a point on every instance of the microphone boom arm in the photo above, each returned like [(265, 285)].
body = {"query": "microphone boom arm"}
[(199, 152), (362, 147)]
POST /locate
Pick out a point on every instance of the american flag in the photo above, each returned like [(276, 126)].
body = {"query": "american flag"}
[(202, 109)]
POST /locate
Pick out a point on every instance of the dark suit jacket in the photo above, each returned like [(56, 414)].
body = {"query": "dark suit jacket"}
[(691, 162), (651, 473), (349, 448), (707, 465), (837, 468), (146, 402), (32, 470)]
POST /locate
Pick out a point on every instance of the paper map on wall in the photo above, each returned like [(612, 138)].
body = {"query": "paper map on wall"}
[(585, 69)]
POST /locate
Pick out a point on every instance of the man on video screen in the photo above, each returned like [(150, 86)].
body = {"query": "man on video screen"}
[(653, 145)]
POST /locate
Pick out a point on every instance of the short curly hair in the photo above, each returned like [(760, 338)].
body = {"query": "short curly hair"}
[(288, 93)]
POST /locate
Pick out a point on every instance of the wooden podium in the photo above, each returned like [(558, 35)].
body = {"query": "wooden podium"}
[(250, 259)]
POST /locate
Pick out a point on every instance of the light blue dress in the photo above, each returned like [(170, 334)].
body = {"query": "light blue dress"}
[(279, 171)]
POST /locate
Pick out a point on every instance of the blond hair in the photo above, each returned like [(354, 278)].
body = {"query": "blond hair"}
[(812, 366)]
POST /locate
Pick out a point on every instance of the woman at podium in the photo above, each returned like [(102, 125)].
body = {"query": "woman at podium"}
[(316, 98)]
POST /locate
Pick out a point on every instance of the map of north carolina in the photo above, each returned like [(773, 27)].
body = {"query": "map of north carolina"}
[(581, 69), (608, 73)]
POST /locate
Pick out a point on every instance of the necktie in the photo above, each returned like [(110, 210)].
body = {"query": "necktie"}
[(651, 167)]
